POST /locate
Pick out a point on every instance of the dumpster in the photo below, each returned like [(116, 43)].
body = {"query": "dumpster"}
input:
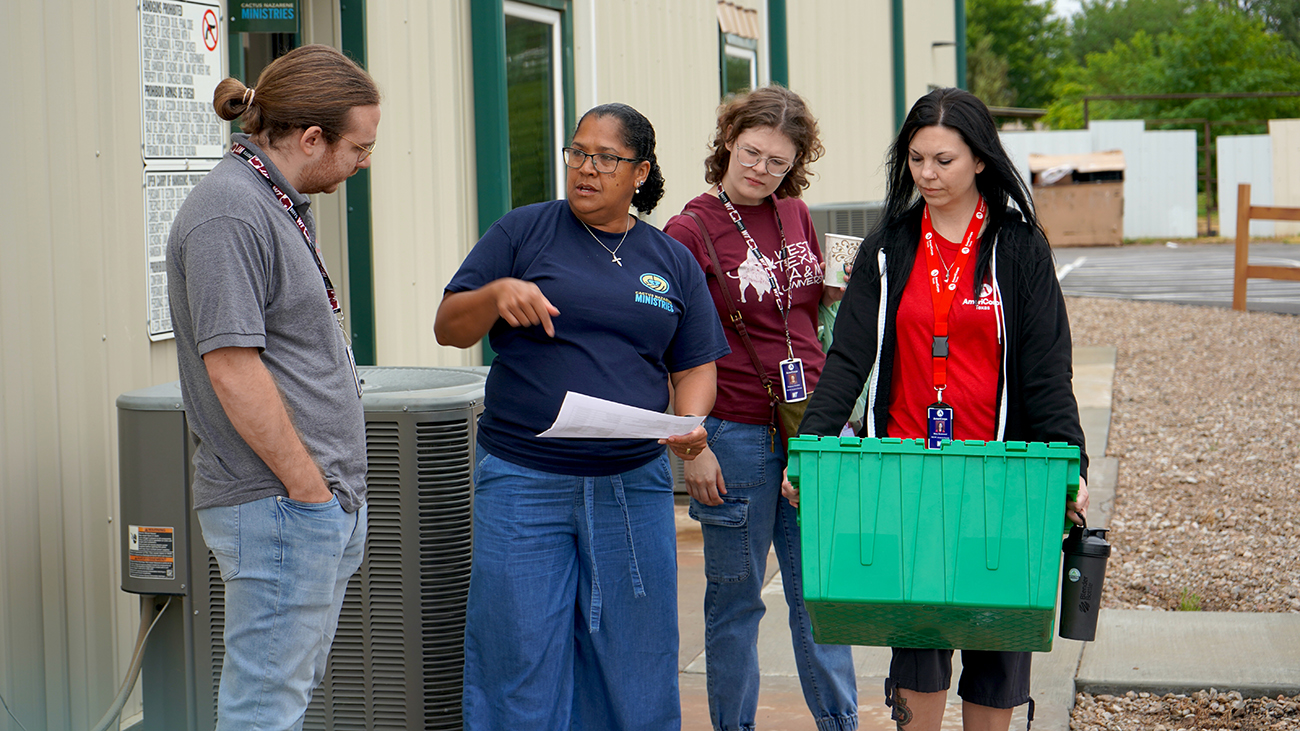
[(956, 547), (1079, 199)]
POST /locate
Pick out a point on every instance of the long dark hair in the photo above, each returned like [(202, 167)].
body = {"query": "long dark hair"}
[(999, 182), (639, 135)]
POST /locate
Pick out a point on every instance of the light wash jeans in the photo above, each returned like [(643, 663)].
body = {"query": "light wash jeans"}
[(737, 536), (286, 567), (572, 615)]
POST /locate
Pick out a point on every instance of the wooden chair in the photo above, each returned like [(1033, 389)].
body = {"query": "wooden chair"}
[(1242, 270)]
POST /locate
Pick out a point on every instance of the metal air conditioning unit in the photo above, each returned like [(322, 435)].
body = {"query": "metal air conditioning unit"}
[(846, 219), (398, 655)]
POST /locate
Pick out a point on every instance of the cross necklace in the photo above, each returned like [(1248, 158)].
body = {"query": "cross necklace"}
[(614, 251)]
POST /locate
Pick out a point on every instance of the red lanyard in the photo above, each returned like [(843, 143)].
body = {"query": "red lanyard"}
[(783, 255), (259, 166), (943, 290)]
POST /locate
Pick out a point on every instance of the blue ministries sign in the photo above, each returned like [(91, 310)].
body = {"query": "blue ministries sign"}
[(264, 16)]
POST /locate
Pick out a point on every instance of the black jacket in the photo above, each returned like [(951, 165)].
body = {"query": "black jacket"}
[(1035, 391)]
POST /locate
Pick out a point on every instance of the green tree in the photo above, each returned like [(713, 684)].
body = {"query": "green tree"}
[(987, 73), (1100, 23), (1280, 16), (1209, 51), (1024, 33)]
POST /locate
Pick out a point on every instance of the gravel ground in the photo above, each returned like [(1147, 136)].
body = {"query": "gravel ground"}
[(1206, 425), (1206, 709)]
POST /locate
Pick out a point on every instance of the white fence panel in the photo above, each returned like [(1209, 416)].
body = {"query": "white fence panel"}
[(1159, 175), (1244, 159), (1021, 144), (1286, 169)]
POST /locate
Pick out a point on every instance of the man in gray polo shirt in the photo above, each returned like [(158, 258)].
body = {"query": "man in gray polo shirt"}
[(268, 379)]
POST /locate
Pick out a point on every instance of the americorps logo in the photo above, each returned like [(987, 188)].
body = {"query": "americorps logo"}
[(654, 283)]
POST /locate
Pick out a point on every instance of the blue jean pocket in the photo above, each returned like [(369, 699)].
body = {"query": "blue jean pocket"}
[(220, 527), (725, 529), (741, 450)]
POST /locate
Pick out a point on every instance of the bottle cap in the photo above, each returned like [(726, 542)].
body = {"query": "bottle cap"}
[(1084, 541)]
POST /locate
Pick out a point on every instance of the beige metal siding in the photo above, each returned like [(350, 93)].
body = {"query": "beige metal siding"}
[(73, 325), (661, 57), (926, 22), (840, 63), (423, 177)]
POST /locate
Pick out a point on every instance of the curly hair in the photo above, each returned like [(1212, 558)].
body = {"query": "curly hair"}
[(770, 106), (314, 85)]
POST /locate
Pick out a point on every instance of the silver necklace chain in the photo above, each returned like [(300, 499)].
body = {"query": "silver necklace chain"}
[(614, 251), (947, 269)]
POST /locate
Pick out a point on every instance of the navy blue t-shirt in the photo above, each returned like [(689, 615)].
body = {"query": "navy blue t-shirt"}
[(621, 330)]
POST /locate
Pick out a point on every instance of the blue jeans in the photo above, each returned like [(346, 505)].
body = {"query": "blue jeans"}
[(737, 536), (286, 566), (571, 621)]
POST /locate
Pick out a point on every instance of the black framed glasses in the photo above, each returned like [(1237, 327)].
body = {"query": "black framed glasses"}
[(775, 166), (365, 151), (603, 162)]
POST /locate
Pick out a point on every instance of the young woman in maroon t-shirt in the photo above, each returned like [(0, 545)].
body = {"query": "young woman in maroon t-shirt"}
[(955, 322), (773, 272)]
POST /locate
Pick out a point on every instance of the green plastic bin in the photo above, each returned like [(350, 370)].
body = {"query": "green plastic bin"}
[(956, 547)]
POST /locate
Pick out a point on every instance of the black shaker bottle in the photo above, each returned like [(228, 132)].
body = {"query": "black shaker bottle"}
[(1084, 570)]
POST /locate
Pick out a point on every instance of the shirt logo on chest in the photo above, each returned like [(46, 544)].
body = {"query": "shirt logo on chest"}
[(655, 283), (658, 285), (986, 301)]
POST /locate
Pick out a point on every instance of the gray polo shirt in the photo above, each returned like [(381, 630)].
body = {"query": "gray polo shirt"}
[(240, 273)]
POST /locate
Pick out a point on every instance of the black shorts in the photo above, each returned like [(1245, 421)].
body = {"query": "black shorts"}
[(988, 677)]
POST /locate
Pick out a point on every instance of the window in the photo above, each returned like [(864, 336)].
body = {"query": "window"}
[(738, 42), (739, 69), (535, 94)]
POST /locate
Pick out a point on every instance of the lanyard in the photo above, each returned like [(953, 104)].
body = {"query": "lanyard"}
[(942, 292), (259, 166), (783, 255)]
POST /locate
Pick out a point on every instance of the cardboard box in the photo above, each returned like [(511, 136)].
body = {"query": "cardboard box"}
[(956, 547), (1080, 198)]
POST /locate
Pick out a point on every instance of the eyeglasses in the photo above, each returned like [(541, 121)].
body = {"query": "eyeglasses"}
[(365, 151), (775, 166), (603, 163)]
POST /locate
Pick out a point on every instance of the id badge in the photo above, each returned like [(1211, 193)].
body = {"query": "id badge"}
[(352, 363), (938, 424), (792, 380)]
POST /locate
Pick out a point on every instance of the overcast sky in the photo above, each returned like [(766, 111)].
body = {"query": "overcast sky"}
[(1066, 8)]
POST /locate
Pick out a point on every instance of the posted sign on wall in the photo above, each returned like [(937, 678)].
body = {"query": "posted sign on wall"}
[(179, 68), (181, 47)]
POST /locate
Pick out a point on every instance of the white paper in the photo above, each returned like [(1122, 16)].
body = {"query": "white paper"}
[(587, 417)]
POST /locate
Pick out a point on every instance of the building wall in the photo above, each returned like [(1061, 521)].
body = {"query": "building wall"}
[(841, 63), (423, 176), (73, 325), (926, 22)]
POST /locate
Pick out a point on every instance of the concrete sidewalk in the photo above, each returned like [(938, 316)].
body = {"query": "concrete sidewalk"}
[(1135, 650)]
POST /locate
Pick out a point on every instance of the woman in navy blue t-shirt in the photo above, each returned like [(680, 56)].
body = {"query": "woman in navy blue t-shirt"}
[(572, 613)]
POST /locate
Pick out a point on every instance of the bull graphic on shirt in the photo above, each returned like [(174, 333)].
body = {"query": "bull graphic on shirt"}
[(752, 272)]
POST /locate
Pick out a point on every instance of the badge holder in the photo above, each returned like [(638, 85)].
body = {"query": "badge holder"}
[(792, 380), (938, 419)]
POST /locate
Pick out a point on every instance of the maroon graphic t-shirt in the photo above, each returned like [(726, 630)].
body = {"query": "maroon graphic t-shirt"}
[(741, 397)]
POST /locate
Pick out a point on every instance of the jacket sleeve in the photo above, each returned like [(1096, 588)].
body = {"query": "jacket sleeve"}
[(852, 353), (1046, 354)]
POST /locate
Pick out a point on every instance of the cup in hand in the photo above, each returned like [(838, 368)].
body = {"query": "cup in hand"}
[(840, 251)]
